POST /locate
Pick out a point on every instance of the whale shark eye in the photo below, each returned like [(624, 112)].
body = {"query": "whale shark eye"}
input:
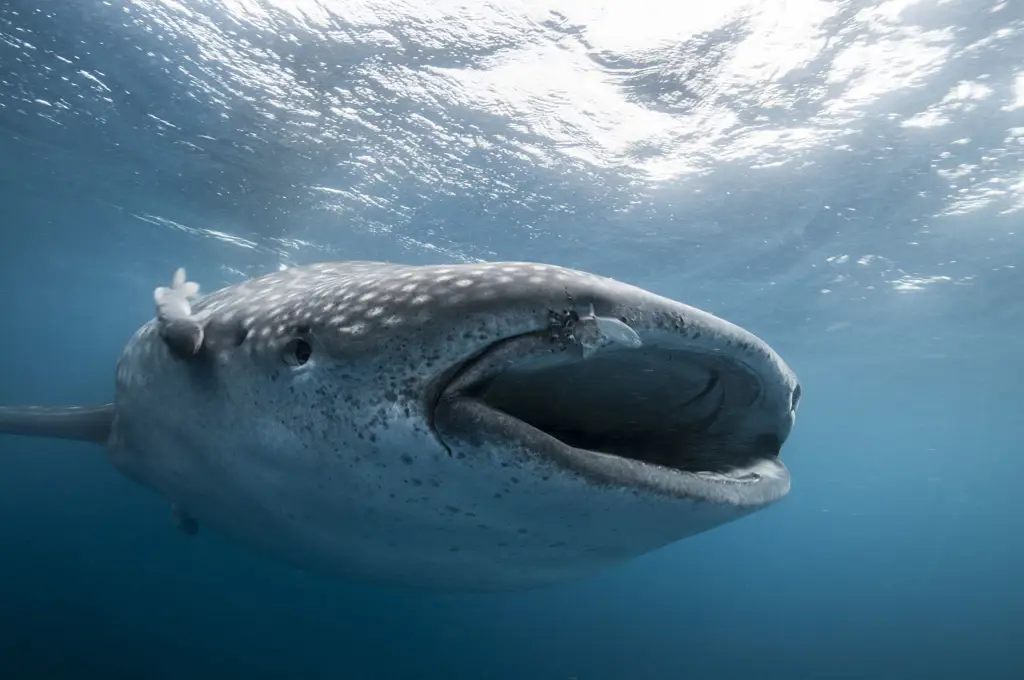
[(795, 401), (297, 352)]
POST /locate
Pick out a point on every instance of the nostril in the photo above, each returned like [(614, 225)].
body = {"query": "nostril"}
[(770, 444)]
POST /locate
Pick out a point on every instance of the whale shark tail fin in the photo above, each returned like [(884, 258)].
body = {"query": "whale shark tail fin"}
[(81, 423)]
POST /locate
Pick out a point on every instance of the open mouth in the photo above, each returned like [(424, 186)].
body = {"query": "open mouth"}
[(670, 419)]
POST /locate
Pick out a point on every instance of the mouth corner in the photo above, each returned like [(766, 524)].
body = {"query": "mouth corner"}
[(660, 420)]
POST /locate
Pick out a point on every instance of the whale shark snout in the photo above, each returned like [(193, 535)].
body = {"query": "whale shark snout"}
[(466, 427)]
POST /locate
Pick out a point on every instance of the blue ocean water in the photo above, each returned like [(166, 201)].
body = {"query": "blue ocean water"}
[(843, 178)]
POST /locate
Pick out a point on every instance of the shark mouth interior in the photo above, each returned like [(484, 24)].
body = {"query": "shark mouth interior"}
[(676, 409)]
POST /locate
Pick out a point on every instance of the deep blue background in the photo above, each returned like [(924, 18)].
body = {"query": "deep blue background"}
[(881, 259)]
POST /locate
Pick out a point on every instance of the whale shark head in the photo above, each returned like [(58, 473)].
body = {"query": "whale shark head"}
[(455, 426)]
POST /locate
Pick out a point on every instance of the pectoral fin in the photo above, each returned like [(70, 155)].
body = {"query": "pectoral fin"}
[(80, 423)]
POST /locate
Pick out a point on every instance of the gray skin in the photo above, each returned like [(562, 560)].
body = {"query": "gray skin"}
[(455, 427)]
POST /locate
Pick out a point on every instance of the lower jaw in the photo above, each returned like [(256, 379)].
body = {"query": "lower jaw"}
[(753, 485)]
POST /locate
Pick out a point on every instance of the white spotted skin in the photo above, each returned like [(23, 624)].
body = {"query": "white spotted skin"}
[(333, 465)]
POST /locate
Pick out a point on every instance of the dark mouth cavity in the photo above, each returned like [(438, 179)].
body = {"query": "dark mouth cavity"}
[(652, 405)]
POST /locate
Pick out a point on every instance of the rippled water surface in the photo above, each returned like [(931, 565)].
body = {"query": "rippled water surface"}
[(843, 178)]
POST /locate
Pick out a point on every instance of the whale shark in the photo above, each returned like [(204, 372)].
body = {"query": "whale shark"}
[(463, 427)]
